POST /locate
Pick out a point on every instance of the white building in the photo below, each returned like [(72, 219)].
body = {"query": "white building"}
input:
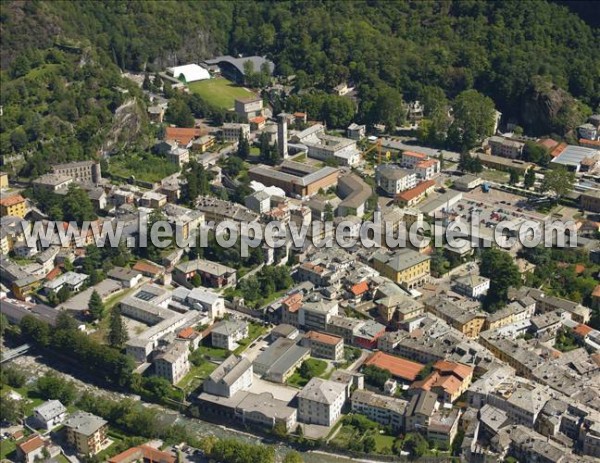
[(50, 414), (387, 411), (427, 169), (226, 334), (173, 364), (411, 158), (393, 180), (356, 132), (588, 131), (71, 280), (321, 402), (472, 286), (248, 108), (259, 201), (189, 72), (327, 147), (233, 375), (201, 299), (179, 156)]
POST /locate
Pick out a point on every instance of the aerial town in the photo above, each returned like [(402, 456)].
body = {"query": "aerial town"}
[(462, 342)]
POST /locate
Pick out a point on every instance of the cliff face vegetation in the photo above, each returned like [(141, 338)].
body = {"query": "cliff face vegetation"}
[(61, 60)]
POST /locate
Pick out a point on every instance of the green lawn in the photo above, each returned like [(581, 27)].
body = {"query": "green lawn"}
[(317, 367), (7, 446), (196, 375), (219, 92), (254, 331), (494, 175), (143, 166), (215, 353), (383, 442)]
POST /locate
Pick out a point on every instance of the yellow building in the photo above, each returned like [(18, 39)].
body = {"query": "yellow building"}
[(13, 205), (468, 322), (3, 180), (404, 266)]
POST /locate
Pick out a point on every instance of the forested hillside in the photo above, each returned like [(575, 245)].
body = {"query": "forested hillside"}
[(536, 60)]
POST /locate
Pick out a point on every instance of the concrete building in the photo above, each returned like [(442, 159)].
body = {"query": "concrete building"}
[(590, 200), (211, 273), (71, 280), (226, 334), (80, 171), (355, 193), (427, 169), (258, 201), (356, 132), (86, 432), (393, 179), (410, 159), (233, 375), (179, 156), (321, 401), (52, 183), (469, 322), (248, 108), (413, 196), (387, 411), (324, 345), (173, 364), (500, 146), (279, 361), (231, 131), (328, 147), (295, 178)]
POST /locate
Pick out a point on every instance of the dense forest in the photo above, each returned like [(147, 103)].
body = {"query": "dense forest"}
[(535, 60)]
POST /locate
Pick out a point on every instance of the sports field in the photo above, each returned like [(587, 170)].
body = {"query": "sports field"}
[(220, 92)]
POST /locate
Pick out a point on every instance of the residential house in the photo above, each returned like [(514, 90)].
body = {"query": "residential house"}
[(127, 277), (387, 411), (50, 414), (473, 286), (232, 131), (411, 197), (225, 334), (504, 147), (143, 454), (173, 363), (14, 205), (405, 266), (36, 448), (211, 273), (468, 321)]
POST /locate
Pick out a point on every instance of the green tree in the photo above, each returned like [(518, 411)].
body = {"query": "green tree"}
[(376, 376), (12, 376), (529, 179), (243, 149), (196, 281), (474, 116), (96, 306), (534, 152), (3, 324), (416, 445), (559, 181), (117, 334), (514, 176), (51, 386), (63, 294), (64, 321), (503, 272), (369, 444), (11, 410)]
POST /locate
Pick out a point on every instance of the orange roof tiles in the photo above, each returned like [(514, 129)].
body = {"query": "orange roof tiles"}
[(596, 292), (31, 444), (52, 274), (293, 302), (323, 338), (582, 330), (146, 267), (11, 200), (258, 120), (187, 333), (359, 288), (299, 114), (144, 452), (416, 191), (559, 149), (427, 163), (548, 143), (414, 154), (583, 141), (181, 134), (458, 369), (398, 367)]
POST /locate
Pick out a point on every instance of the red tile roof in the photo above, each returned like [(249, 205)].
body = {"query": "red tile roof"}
[(188, 333), (181, 135), (398, 367), (258, 120), (427, 163), (414, 154), (596, 292), (359, 288), (31, 444), (11, 200), (323, 338), (559, 149), (582, 330), (144, 452), (416, 191), (293, 302), (146, 267), (457, 369), (52, 274)]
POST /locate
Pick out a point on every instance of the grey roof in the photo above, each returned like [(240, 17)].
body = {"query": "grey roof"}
[(380, 401), (573, 155), (304, 180), (392, 172), (267, 405), (227, 328), (280, 356), (15, 311), (84, 423), (173, 352), (238, 63), (359, 190), (284, 330), (422, 403), (230, 370), (322, 391), (50, 409), (401, 259), (289, 359), (121, 273)]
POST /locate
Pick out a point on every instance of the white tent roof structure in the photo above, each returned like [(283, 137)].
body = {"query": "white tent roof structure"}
[(191, 72)]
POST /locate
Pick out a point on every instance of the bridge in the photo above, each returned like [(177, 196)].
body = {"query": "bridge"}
[(14, 353)]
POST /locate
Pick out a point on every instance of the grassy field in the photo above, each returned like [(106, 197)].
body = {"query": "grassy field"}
[(196, 375), (145, 167), (7, 446), (219, 92), (318, 367)]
